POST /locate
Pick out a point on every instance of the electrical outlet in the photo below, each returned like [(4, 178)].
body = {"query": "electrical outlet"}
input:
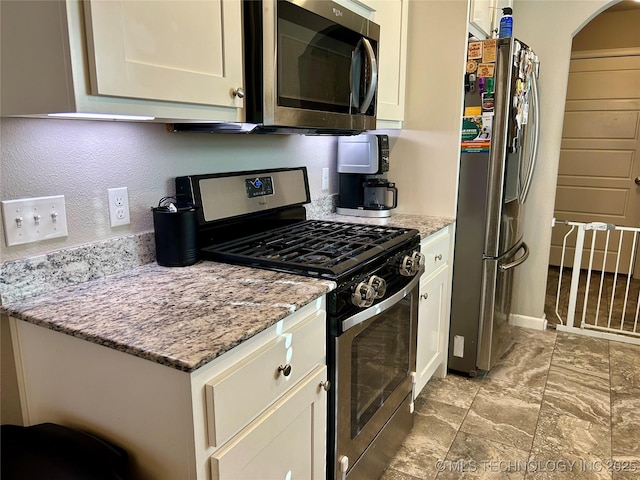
[(33, 219), (325, 179), (118, 206)]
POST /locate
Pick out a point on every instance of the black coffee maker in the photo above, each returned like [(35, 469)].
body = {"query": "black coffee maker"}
[(363, 190)]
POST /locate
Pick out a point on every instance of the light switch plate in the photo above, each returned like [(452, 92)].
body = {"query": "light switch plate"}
[(30, 220)]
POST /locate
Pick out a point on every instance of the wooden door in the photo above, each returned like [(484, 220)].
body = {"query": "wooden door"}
[(178, 51), (599, 156)]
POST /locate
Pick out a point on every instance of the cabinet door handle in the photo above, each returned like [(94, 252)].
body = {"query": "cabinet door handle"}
[(238, 92), (424, 296), (326, 385), (438, 257), (285, 369)]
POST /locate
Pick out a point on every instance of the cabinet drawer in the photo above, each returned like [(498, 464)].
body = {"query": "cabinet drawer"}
[(436, 251), (286, 441), (242, 392)]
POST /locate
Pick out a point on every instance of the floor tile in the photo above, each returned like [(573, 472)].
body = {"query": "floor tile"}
[(625, 467), (435, 427), (587, 354), (566, 446), (503, 415), (584, 396), (453, 390), (472, 456), (393, 474), (625, 423), (624, 366), (523, 368)]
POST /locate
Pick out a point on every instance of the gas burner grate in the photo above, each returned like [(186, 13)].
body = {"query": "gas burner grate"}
[(311, 247)]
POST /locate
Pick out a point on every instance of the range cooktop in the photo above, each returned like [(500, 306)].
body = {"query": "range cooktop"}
[(312, 247)]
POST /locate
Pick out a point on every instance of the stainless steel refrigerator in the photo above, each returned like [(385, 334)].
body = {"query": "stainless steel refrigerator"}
[(498, 152)]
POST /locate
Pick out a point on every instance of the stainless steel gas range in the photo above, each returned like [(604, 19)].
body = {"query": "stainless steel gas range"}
[(257, 218)]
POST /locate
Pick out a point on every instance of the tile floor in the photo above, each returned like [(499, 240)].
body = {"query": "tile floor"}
[(557, 406)]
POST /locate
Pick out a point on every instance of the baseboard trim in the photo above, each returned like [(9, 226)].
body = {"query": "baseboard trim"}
[(525, 321)]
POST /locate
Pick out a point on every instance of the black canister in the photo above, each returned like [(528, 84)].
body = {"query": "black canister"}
[(175, 232)]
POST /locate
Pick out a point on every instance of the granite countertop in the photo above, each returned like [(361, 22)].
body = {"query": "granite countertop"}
[(185, 317), (425, 224), (179, 317)]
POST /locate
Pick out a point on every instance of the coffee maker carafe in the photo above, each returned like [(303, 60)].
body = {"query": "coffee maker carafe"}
[(364, 191)]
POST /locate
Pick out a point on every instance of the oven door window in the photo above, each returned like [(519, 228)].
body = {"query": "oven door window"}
[(314, 65), (380, 361)]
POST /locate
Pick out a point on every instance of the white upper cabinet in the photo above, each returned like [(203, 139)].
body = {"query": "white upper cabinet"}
[(177, 51), (480, 18), (484, 17), (392, 18), (178, 60)]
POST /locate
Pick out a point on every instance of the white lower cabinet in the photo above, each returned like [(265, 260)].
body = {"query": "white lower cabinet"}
[(434, 308), (286, 442), (256, 412)]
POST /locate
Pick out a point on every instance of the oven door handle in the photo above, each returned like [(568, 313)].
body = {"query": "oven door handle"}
[(386, 304)]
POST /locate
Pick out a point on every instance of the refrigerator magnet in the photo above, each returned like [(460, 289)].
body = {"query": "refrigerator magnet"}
[(472, 66), (474, 50), (489, 49), (486, 69), (487, 102)]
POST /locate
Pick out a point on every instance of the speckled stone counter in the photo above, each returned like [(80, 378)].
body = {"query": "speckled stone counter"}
[(179, 317), (425, 224)]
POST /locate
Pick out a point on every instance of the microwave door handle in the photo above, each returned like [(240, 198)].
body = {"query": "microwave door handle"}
[(354, 77), (374, 75)]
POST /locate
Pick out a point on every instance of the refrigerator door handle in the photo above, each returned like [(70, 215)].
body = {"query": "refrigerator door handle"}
[(536, 135), (519, 261)]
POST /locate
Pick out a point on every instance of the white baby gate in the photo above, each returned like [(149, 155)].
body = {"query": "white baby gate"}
[(602, 315)]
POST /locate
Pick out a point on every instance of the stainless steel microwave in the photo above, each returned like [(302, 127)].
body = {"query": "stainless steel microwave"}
[(309, 64)]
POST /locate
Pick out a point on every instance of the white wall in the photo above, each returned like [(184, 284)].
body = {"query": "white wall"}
[(424, 156), (81, 159), (548, 26)]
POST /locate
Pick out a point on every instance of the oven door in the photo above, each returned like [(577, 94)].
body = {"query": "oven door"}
[(376, 356)]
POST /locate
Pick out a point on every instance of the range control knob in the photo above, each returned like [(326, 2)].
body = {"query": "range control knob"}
[(363, 295), (410, 264), (378, 284)]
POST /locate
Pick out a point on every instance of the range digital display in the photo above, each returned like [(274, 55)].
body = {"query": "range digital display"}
[(259, 186)]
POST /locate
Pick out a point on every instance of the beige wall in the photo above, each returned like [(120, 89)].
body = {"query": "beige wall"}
[(425, 154), (548, 27), (610, 30)]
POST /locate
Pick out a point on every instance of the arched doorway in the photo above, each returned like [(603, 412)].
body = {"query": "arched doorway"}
[(600, 149)]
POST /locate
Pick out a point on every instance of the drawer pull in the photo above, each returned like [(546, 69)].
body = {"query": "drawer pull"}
[(285, 369), (438, 257), (326, 385), (424, 296)]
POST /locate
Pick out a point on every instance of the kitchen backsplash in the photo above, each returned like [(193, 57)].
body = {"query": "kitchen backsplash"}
[(51, 271)]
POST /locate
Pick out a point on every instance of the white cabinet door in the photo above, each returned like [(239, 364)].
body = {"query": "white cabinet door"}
[(433, 315), (286, 442), (392, 18), (481, 17), (183, 51)]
